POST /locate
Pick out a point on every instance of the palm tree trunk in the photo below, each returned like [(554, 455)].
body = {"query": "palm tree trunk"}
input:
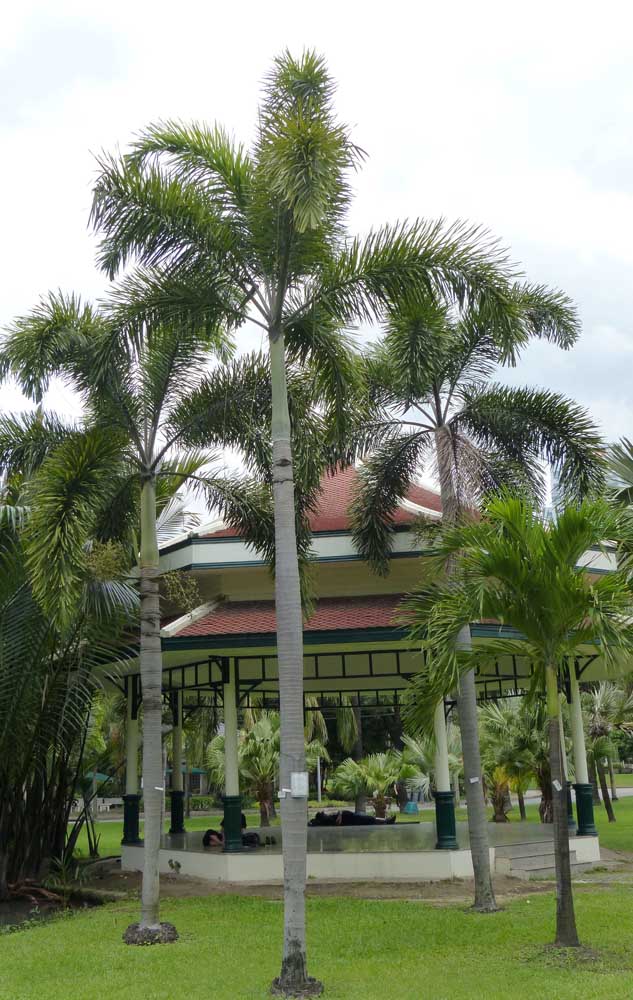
[(566, 933), (151, 679), (521, 799), (466, 696), (456, 792), (593, 778), (614, 790), (294, 814), (485, 901), (360, 803), (606, 798)]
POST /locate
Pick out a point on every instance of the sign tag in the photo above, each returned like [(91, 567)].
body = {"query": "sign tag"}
[(557, 785), (473, 781), (299, 784)]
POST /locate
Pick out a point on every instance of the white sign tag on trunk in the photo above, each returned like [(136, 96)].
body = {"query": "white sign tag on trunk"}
[(299, 784), (473, 781), (557, 785)]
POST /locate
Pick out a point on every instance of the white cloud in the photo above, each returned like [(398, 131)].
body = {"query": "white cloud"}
[(519, 118)]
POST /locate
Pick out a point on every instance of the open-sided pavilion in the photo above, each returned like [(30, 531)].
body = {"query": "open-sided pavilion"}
[(224, 652)]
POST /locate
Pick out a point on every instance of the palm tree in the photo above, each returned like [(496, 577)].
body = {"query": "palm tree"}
[(431, 377), (607, 707), (47, 677), (516, 568), (114, 477), (258, 759), (514, 732), (268, 227), (375, 775)]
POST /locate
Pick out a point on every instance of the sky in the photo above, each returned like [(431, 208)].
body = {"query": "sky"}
[(517, 117)]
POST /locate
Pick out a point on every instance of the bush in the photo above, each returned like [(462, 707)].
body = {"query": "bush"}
[(202, 803)]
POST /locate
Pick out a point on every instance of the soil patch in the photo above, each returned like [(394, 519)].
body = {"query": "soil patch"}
[(446, 891)]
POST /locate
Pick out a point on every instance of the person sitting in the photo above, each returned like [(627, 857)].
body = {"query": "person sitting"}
[(345, 817), (215, 838)]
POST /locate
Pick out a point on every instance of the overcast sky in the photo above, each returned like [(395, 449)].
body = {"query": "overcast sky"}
[(518, 117)]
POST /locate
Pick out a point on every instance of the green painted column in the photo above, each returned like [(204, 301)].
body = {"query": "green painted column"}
[(582, 787), (131, 799), (177, 794), (444, 800), (232, 799)]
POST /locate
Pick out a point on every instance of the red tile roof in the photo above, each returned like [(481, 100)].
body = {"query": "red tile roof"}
[(337, 492), (256, 617)]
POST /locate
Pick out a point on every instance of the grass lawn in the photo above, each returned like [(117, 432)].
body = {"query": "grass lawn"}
[(616, 836), (229, 950)]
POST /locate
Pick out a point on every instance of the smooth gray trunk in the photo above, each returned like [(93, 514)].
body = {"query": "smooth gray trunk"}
[(606, 798), (614, 787), (360, 803), (151, 677), (466, 696), (294, 813), (456, 791)]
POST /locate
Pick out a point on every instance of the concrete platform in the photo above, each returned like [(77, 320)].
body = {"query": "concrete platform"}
[(402, 851)]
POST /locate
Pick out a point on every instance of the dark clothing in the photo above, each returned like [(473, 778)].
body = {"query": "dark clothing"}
[(345, 817)]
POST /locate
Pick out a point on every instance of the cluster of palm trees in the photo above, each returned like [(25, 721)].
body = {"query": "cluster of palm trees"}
[(202, 238)]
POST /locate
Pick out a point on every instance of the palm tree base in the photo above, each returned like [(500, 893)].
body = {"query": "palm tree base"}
[(164, 933), (310, 988)]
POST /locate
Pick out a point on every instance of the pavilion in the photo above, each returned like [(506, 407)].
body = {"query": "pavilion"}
[(225, 650)]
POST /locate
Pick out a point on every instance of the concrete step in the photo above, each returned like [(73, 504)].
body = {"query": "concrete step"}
[(525, 850), (576, 868)]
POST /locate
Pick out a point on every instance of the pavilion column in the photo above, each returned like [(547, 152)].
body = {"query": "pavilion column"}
[(232, 800), (582, 786), (571, 822), (177, 793), (131, 799), (444, 800)]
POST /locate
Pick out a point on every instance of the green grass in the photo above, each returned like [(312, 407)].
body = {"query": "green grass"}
[(616, 836), (229, 950)]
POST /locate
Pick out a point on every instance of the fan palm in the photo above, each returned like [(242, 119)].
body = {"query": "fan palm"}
[(514, 567), (258, 759), (607, 707), (431, 376), (514, 731), (268, 228)]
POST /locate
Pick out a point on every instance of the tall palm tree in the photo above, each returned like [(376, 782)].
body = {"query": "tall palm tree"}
[(112, 477), (271, 223), (516, 568), (431, 375)]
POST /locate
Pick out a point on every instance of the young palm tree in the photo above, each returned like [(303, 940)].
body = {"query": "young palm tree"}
[(431, 375), (47, 684), (375, 775), (258, 759), (513, 567), (515, 733), (271, 223), (606, 707)]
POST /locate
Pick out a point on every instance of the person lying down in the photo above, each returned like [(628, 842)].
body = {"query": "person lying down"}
[(345, 817)]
